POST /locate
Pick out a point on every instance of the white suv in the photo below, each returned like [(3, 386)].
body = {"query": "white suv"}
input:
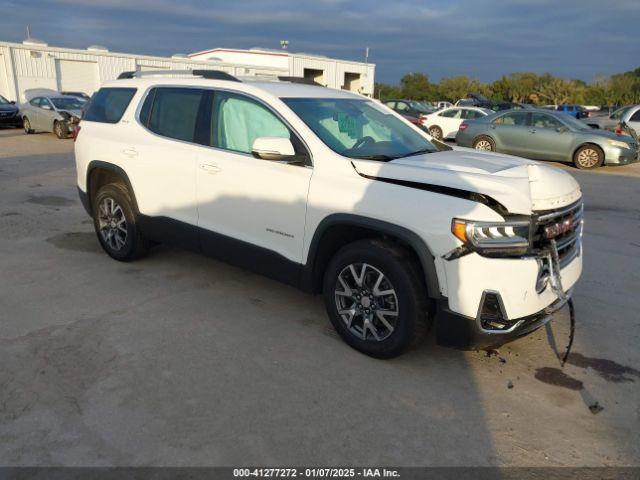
[(336, 194)]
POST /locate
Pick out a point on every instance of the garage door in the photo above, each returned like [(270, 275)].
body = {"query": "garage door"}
[(75, 76), (4, 84)]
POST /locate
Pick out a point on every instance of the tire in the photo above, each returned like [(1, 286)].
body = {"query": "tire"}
[(484, 143), (59, 130), (588, 157), (435, 132), (26, 124), (346, 292), (115, 223)]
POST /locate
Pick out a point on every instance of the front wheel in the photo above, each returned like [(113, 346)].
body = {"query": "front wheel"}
[(115, 224), (484, 143), (588, 157), (375, 298), (59, 130)]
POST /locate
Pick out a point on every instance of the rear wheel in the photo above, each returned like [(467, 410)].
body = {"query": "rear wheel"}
[(115, 224), (26, 124), (435, 132), (484, 143), (588, 157), (375, 298), (59, 129)]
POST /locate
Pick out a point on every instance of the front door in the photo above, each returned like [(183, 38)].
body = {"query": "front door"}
[(549, 138), (254, 207)]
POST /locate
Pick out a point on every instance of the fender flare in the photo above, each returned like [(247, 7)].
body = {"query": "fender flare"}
[(93, 164), (412, 239)]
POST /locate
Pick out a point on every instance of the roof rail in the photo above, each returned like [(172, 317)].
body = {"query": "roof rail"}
[(208, 74), (303, 80)]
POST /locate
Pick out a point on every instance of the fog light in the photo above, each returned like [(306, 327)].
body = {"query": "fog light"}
[(492, 315)]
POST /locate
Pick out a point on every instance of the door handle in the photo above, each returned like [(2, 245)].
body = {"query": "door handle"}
[(209, 168), (533, 130), (130, 152)]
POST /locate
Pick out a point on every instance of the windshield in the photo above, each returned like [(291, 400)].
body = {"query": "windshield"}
[(573, 123), (69, 103), (419, 107), (3, 101), (359, 128)]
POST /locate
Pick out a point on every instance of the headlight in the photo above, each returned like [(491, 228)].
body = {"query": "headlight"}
[(510, 237), (620, 144)]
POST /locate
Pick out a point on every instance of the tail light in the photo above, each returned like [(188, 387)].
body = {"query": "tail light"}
[(424, 118), (75, 133), (463, 126)]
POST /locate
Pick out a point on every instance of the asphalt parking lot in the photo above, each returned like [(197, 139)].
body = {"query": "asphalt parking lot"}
[(181, 360)]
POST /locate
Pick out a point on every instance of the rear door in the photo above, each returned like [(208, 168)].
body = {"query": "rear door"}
[(549, 138), (256, 204), (449, 121), (160, 155), (511, 133), (47, 114)]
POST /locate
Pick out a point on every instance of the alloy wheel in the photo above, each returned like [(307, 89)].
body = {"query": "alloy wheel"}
[(112, 224), (483, 145), (588, 157), (435, 133), (26, 125), (366, 301)]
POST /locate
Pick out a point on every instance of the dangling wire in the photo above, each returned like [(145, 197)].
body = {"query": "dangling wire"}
[(572, 331)]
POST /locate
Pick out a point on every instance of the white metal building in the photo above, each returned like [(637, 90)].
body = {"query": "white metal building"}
[(34, 64), (330, 72)]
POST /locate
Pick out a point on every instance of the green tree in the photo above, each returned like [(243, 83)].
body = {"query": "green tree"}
[(455, 88), (386, 92), (417, 86)]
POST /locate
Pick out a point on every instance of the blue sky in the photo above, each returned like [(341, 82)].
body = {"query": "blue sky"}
[(482, 39)]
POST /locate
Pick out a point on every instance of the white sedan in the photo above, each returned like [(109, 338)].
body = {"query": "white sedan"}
[(444, 123)]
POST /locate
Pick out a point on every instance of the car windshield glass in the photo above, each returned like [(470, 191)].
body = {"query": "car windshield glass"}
[(359, 128), (573, 123), (69, 103), (3, 101), (419, 107)]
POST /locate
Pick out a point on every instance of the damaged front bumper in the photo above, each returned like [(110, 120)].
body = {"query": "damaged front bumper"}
[(467, 333)]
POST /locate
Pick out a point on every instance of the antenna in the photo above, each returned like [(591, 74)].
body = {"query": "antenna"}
[(28, 31)]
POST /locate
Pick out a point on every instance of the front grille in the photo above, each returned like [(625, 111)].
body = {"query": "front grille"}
[(7, 114), (564, 225)]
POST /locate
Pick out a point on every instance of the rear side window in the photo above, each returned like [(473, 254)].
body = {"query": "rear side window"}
[(175, 112), (635, 117), (109, 104)]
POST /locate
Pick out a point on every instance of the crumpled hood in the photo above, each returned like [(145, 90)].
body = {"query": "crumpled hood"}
[(75, 113), (520, 185)]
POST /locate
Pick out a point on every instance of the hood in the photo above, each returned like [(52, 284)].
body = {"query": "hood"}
[(521, 186), (75, 113), (8, 107)]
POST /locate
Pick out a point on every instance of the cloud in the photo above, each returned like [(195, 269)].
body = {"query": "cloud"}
[(572, 38)]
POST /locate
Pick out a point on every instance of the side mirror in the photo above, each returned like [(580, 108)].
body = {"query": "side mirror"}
[(275, 149), (47, 107), (12, 102), (562, 129)]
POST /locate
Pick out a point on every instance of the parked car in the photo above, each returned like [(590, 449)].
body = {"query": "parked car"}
[(326, 190), (489, 104), (546, 135), (608, 122), (444, 123), (51, 113), (576, 111), (9, 114), (410, 109)]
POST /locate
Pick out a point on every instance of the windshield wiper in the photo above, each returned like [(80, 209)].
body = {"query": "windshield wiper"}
[(384, 158), (417, 152)]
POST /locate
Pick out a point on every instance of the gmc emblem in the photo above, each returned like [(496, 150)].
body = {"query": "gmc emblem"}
[(556, 229)]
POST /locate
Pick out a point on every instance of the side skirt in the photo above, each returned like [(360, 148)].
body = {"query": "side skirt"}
[(220, 247)]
